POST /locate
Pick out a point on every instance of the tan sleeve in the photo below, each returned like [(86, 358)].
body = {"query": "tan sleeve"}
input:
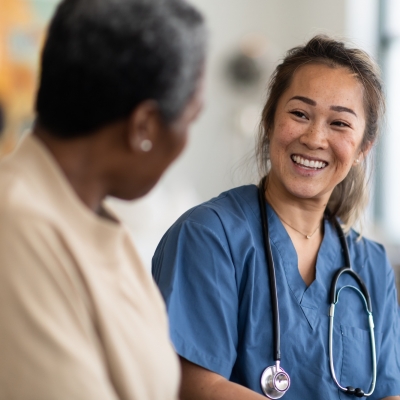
[(48, 348)]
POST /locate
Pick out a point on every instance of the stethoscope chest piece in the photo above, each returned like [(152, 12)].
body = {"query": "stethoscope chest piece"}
[(274, 382)]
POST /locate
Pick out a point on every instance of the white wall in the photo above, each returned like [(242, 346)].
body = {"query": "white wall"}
[(216, 148), (389, 199), (217, 156), (362, 24)]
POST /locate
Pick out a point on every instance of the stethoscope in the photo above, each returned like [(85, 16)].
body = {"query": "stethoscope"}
[(274, 380)]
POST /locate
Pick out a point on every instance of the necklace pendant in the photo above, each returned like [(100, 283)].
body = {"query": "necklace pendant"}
[(308, 236)]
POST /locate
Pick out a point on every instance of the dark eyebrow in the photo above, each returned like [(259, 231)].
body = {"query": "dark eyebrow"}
[(314, 103), (343, 109), (305, 100)]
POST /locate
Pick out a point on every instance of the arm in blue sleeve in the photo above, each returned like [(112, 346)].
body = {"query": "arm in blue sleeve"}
[(388, 367), (194, 270)]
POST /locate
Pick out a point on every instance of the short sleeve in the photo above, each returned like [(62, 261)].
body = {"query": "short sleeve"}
[(194, 270), (46, 349), (388, 366)]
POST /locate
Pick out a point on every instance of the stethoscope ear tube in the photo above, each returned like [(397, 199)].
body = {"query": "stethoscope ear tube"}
[(358, 392), (275, 382), (333, 293), (271, 272), (347, 269), (334, 298)]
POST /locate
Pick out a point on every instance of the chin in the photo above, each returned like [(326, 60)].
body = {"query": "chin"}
[(134, 192), (311, 194)]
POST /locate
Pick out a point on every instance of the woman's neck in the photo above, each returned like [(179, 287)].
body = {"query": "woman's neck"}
[(302, 215), (303, 221)]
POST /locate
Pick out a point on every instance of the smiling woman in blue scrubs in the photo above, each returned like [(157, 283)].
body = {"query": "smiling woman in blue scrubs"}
[(319, 124)]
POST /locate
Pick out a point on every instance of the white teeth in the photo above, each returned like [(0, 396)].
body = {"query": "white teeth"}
[(308, 163)]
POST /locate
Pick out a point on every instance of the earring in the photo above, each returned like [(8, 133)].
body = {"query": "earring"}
[(357, 161), (146, 145)]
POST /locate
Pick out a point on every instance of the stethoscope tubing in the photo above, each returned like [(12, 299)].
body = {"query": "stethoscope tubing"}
[(333, 297), (372, 341), (271, 274)]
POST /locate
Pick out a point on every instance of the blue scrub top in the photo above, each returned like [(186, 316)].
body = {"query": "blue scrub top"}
[(211, 269)]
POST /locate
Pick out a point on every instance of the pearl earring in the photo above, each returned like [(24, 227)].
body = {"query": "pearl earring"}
[(146, 145), (357, 161)]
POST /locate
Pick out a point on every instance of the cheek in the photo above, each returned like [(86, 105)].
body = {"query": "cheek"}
[(178, 141), (348, 145), (182, 143), (346, 151), (183, 136), (283, 135)]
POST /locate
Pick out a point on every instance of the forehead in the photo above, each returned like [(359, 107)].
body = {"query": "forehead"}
[(327, 86)]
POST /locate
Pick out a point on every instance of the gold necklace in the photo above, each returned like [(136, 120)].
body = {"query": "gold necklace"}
[(307, 236)]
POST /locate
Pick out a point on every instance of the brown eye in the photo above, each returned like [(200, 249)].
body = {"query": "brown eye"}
[(341, 124), (299, 114)]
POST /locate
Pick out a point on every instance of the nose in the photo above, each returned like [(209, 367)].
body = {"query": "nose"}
[(315, 137)]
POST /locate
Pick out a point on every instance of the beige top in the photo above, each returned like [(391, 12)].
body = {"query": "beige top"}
[(80, 318)]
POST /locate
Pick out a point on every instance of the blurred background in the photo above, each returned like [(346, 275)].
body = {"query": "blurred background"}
[(247, 40)]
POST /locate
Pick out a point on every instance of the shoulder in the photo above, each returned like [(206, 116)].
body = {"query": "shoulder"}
[(232, 206), (19, 198), (23, 217), (27, 222), (223, 224), (27, 238), (367, 250), (370, 261)]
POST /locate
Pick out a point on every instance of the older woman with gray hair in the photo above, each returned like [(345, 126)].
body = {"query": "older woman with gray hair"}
[(252, 279), (80, 318)]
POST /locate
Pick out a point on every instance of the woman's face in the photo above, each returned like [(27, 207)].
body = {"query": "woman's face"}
[(168, 141), (178, 131), (318, 128)]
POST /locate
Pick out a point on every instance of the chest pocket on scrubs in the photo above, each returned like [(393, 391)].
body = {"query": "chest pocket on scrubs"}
[(356, 365)]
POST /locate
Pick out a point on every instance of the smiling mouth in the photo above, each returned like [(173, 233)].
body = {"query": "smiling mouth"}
[(311, 164)]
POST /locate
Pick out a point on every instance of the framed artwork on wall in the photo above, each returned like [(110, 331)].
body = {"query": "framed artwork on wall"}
[(22, 29)]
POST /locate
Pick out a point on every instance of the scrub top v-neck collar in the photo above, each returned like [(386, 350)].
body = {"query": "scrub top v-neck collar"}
[(308, 297)]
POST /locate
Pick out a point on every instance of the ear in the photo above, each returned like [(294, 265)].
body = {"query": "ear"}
[(143, 127), (363, 153)]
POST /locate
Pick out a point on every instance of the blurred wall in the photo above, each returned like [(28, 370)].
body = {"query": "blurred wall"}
[(22, 28), (214, 158), (220, 149)]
